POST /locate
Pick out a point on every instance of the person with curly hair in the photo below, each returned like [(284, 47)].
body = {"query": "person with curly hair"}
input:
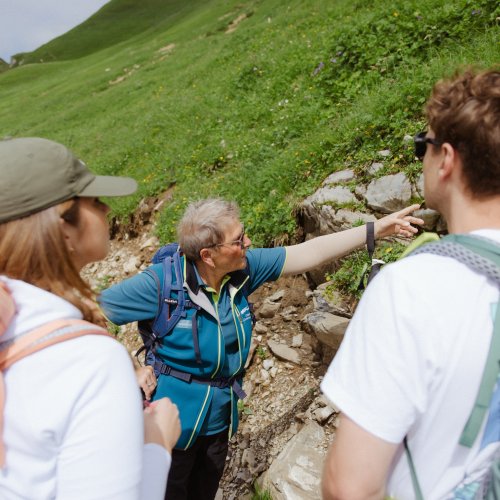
[(408, 372)]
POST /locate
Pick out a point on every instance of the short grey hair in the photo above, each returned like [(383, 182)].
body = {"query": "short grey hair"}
[(204, 224)]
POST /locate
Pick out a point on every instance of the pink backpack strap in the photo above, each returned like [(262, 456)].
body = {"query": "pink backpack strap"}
[(19, 347), (7, 307)]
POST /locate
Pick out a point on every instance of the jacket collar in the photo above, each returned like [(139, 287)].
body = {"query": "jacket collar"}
[(236, 278)]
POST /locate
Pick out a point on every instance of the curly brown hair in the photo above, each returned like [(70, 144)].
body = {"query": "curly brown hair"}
[(464, 111)]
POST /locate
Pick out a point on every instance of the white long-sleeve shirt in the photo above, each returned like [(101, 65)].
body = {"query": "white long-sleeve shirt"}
[(73, 416)]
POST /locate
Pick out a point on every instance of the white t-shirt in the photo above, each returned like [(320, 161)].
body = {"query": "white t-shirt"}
[(73, 423), (411, 364)]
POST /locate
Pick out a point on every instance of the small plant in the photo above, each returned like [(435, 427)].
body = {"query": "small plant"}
[(103, 283), (261, 352), (260, 494), (113, 329), (243, 408), (354, 268)]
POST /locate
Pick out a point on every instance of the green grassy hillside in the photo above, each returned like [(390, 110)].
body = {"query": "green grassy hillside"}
[(262, 114), (116, 21)]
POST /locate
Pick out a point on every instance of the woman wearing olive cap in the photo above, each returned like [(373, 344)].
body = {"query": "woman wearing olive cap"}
[(72, 420)]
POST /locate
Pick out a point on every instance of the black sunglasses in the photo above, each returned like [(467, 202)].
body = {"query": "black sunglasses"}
[(421, 142)]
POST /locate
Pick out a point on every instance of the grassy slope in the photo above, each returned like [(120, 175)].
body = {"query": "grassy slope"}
[(242, 115), (116, 21)]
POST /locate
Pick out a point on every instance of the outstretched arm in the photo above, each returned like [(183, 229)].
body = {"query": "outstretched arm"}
[(323, 249)]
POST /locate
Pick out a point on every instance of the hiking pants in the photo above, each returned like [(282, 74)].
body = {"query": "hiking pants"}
[(195, 473)]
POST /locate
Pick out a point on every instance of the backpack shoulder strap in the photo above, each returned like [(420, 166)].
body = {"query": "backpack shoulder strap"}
[(164, 322), (488, 382), (480, 254), (7, 307), (483, 256), (49, 334)]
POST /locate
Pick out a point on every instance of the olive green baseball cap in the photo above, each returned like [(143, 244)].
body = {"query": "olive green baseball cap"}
[(36, 174)]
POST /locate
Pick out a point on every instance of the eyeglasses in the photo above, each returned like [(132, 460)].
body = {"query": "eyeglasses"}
[(240, 241), (421, 142)]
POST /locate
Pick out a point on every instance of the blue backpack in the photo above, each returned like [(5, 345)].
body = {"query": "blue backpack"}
[(173, 302)]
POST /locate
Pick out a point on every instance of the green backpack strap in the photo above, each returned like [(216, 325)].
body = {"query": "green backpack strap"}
[(419, 241), (491, 252), (413, 472), (488, 382), (483, 256)]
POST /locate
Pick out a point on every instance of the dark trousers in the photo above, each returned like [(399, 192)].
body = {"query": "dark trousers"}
[(195, 473)]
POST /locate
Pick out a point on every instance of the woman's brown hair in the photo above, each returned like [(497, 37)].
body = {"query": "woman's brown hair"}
[(33, 249)]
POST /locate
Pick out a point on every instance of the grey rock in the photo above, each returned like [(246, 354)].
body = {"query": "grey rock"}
[(297, 340), (268, 364), (385, 153), (430, 217), (264, 375), (333, 195), (296, 472), (317, 220), (289, 313), (375, 167), (132, 265), (328, 328), (244, 443), (389, 194), (152, 242), (323, 414), (268, 309), (333, 303), (360, 191), (284, 352), (276, 296), (419, 186), (248, 459), (245, 475), (322, 401), (346, 218), (260, 328), (342, 176), (249, 387)]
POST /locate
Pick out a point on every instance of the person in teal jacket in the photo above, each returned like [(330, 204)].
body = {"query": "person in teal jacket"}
[(202, 374)]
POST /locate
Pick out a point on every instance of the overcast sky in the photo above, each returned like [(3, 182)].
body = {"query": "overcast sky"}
[(27, 24)]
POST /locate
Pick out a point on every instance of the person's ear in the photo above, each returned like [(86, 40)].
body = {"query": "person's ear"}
[(206, 257), (449, 161), (70, 235)]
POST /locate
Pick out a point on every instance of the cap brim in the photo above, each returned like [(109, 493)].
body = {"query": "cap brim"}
[(106, 185)]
